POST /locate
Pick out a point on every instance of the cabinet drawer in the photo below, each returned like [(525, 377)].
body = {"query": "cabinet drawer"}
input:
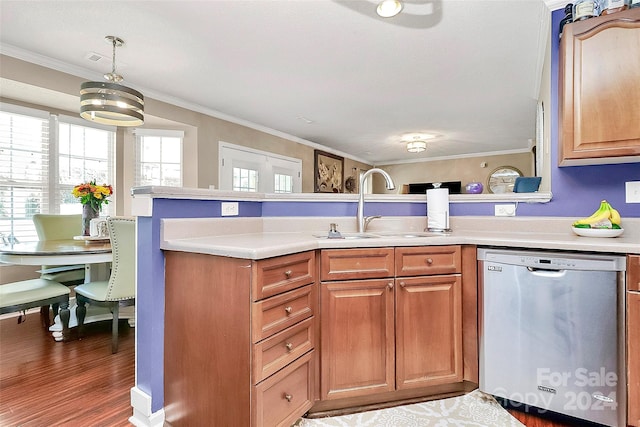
[(278, 351), (284, 397), (370, 263), (276, 275), (633, 272), (424, 261), (275, 314)]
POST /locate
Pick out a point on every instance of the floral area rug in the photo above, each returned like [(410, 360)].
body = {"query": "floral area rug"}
[(475, 409)]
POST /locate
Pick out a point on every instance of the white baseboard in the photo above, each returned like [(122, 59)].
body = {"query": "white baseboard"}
[(142, 416)]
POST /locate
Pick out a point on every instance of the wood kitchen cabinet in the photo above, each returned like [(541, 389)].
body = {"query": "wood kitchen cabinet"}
[(633, 340), (428, 331), (239, 339), (357, 329), (391, 325), (599, 90)]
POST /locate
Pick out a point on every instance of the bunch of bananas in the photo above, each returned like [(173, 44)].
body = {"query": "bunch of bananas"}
[(605, 217)]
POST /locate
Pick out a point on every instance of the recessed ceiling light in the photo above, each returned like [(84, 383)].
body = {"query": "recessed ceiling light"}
[(389, 8)]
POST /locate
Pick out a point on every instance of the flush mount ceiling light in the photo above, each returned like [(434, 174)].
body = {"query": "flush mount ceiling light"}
[(110, 103), (389, 8), (417, 142), (416, 146)]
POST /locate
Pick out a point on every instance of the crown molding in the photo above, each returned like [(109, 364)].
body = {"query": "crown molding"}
[(54, 64)]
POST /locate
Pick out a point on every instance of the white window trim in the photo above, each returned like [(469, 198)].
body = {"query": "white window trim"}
[(266, 175), (50, 199), (162, 133)]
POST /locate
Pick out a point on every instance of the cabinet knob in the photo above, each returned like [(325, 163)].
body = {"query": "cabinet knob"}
[(429, 261), (288, 309), (390, 285), (288, 397), (402, 284), (288, 273), (289, 346)]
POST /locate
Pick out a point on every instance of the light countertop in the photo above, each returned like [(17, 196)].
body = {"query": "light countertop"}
[(258, 238)]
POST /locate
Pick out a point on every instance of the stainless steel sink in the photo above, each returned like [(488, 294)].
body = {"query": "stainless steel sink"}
[(409, 234), (348, 236)]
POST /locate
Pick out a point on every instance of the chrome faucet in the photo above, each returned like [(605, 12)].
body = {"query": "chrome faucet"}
[(362, 221)]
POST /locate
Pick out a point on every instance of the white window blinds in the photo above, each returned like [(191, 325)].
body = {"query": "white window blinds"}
[(24, 169), (42, 157)]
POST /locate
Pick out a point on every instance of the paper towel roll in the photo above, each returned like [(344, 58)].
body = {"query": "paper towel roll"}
[(438, 209)]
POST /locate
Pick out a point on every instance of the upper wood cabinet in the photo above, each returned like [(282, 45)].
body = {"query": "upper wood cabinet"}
[(599, 90)]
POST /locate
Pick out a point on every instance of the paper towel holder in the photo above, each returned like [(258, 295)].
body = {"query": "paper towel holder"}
[(446, 228)]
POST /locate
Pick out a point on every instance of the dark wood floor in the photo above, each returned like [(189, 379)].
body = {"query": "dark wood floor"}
[(80, 383)]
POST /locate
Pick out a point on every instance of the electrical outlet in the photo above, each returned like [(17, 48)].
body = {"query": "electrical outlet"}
[(229, 208), (632, 191), (508, 209)]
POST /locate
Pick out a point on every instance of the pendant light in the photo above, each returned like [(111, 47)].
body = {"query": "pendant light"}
[(111, 103)]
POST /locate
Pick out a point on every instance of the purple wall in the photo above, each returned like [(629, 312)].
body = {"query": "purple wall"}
[(577, 192)]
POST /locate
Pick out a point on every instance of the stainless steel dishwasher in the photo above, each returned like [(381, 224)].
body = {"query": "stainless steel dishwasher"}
[(552, 332)]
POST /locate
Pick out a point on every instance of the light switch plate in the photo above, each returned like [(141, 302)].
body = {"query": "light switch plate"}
[(507, 209), (632, 191), (229, 208)]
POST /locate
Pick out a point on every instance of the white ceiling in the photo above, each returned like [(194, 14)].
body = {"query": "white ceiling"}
[(468, 70)]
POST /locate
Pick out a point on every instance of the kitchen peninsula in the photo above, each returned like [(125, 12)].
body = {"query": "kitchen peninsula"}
[(270, 272)]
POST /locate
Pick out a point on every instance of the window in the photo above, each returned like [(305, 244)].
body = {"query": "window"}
[(158, 157), (24, 159), (84, 154), (282, 183), (246, 169), (41, 158), (245, 179)]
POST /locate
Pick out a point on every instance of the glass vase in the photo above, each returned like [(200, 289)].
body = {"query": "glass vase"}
[(88, 213)]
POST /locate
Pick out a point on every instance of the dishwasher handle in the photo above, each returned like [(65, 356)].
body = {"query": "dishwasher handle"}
[(547, 272)]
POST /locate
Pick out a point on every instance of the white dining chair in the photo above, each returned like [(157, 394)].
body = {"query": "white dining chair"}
[(120, 288)]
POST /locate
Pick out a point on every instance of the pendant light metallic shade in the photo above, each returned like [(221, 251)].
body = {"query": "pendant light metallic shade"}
[(111, 103)]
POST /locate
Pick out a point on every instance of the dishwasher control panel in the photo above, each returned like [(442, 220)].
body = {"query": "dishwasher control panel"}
[(553, 260)]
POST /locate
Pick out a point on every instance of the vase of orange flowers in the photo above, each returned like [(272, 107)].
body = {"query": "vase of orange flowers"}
[(92, 197)]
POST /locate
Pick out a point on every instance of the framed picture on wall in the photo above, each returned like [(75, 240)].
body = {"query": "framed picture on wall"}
[(328, 172)]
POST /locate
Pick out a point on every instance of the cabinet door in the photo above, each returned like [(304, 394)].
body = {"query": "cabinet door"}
[(428, 331), (357, 344), (600, 88)]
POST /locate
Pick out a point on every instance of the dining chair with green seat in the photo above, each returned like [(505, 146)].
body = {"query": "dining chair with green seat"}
[(60, 227), (120, 288), (26, 294)]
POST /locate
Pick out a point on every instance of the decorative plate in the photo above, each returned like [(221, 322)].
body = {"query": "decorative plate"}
[(598, 232)]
